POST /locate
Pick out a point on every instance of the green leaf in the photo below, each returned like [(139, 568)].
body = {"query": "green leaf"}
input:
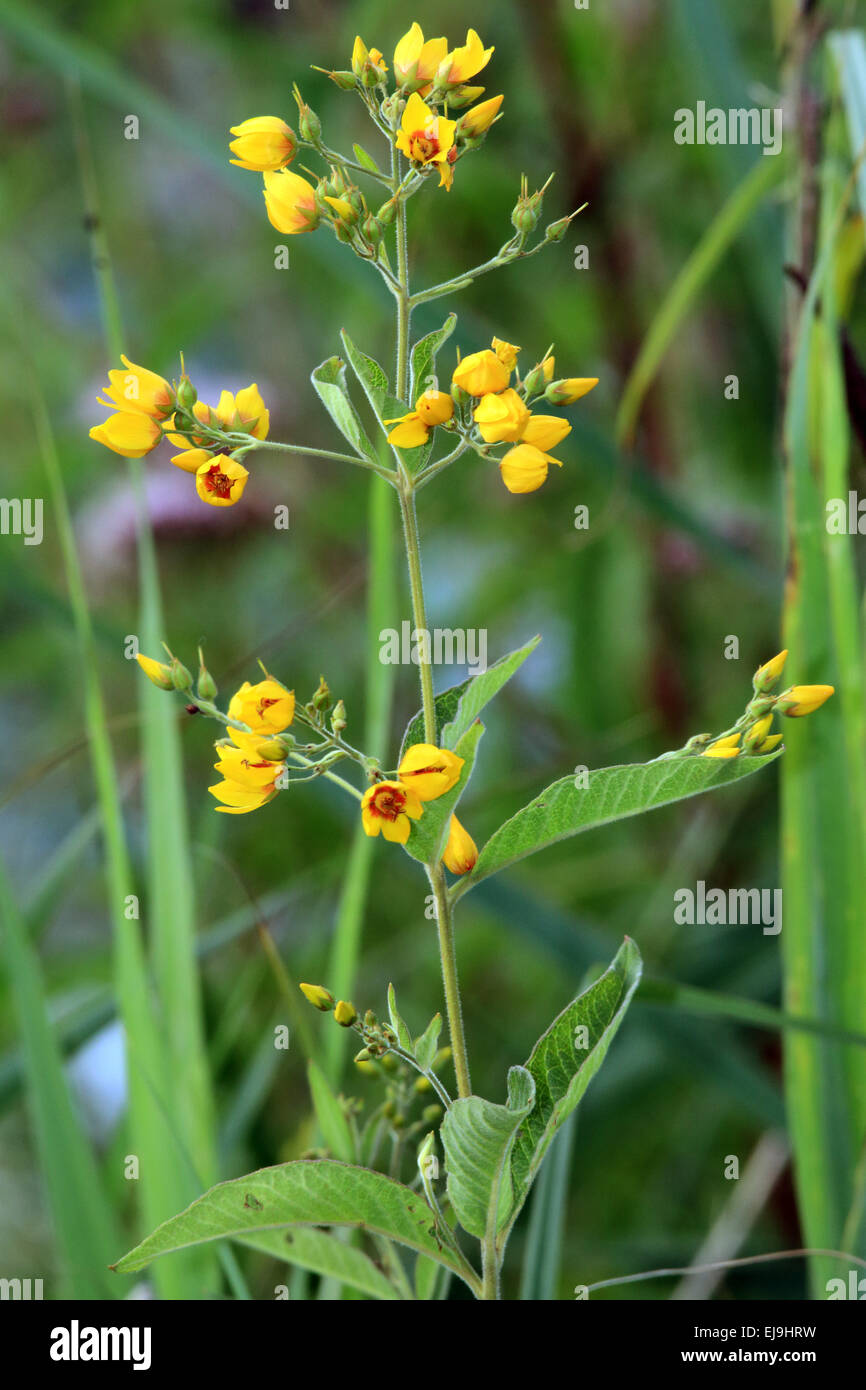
[(404, 1037), (366, 159), (426, 1044), (454, 713), (424, 353), (562, 1067), (329, 1113), (427, 837), (324, 1254), (478, 1138), (372, 377), (426, 1275), (306, 1192), (612, 794), (329, 380)]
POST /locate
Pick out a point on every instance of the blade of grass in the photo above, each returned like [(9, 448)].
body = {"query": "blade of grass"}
[(700, 265), (540, 1274), (82, 1219)]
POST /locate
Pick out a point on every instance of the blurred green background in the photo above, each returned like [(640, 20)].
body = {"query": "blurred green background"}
[(684, 548)]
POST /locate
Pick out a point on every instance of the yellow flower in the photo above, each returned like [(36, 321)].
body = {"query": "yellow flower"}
[(432, 408), (138, 389), (723, 747), (345, 1013), (249, 781), (548, 367), (429, 771), (342, 209), (388, 806), (416, 61), (767, 675), (267, 708), (461, 851), (221, 480), (769, 744), (367, 61), (290, 202), (426, 138), (481, 373), (545, 431), (264, 143), (757, 734), (477, 122), (464, 62), (156, 671), (502, 417), (129, 433), (570, 389), (524, 468), (804, 699), (506, 352)]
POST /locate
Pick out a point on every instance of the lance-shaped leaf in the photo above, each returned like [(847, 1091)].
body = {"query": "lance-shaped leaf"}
[(424, 357), (429, 834), (326, 1255), (611, 793), (567, 1057), (372, 377), (303, 1193), (329, 380), (478, 1138), (460, 705)]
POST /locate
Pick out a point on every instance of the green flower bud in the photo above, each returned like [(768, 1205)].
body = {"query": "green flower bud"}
[(344, 80), (338, 718), (206, 686), (186, 395), (180, 676), (322, 696)]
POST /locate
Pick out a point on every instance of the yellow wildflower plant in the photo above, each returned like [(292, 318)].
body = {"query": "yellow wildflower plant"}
[(263, 144), (413, 429), (481, 373), (506, 352), (416, 60), (478, 120), (803, 699), (266, 708), (464, 62), (138, 389), (128, 433), (290, 202)]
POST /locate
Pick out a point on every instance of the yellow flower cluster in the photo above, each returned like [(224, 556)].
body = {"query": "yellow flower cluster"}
[(755, 737), (502, 414), (425, 773), (249, 778), (422, 68), (150, 408)]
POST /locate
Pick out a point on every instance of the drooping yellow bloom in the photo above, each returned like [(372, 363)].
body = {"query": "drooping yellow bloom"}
[(481, 373), (138, 389), (264, 143), (156, 671), (290, 202), (477, 122), (220, 480), (524, 468), (129, 433), (545, 431), (249, 781), (431, 409), (426, 138), (502, 417), (461, 851), (416, 61), (266, 707), (506, 352), (767, 675), (804, 699), (464, 62), (727, 747), (429, 771), (390, 807), (570, 389)]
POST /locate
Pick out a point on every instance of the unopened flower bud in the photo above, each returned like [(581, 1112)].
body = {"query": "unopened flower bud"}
[(180, 676), (318, 996), (387, 212), (803, 699), (186, 394), (273, 750), (767, 676), (569, 389), (206, 686), (372, 229), (156, 671), (309, 125), (365, 1055), (370, 1019), (338, 718), (322, 696), (346, 81), (345, 1013)]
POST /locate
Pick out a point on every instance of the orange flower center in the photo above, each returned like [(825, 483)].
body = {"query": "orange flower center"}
[(387, 802), (266, 704), (218, 482), (423, 145)]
